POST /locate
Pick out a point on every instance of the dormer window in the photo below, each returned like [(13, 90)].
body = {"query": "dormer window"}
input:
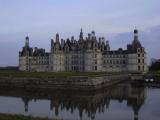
[(138, 50)]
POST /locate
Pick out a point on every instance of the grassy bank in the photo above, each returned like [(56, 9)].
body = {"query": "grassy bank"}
[(20, 117), (4, 73)]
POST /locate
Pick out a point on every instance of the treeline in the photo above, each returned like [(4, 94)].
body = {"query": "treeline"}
[(9, 68), (155, 66)]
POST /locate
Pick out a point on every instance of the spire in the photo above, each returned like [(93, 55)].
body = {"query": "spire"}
[(81, 35), (27, 41)]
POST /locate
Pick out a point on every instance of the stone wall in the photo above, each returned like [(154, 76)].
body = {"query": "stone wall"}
[(64, 83)]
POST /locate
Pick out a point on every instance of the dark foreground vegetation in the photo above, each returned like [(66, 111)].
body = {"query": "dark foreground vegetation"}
[(21, 117)]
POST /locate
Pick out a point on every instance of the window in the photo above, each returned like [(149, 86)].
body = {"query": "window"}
[(143, 68), (143, 60), (139, 55), (139, 68), (95, 67), (143, 55), (110, 61), (139, 50), (72, 68), (117, 62), (92, 67), (124, 62), (95, 61), (113, 62), (139, 61)]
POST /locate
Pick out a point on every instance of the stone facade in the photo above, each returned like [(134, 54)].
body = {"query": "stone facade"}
[(85, 55)]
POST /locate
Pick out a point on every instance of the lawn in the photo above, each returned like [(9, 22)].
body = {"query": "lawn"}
[(20, 117), (4, 73)]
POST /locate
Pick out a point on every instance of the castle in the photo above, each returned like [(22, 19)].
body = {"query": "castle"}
[(90, 54)]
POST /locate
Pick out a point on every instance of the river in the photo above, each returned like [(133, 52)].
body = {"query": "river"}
[(124, 101)]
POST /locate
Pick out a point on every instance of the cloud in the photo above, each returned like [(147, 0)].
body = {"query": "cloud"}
[(41, 20)]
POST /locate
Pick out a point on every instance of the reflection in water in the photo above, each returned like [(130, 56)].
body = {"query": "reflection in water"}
[(89, 103)]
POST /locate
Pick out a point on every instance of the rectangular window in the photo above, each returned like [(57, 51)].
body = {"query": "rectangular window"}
[(95, 61), (113, 62), (143, 68), (110, 61), (117, 62), (143, 60), (95, 67), (143, 55), (139, 68), (92, 67)]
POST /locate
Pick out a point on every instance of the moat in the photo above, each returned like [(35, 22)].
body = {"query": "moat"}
[(124, 101)]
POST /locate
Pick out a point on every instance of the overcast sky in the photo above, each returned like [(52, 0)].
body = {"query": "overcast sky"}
[(42, 19)]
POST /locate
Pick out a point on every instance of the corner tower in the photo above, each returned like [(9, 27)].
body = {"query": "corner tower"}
[(137, 58)]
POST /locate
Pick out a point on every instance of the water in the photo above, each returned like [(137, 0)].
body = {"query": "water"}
[(124, 101)]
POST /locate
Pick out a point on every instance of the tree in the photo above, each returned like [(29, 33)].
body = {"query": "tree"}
[(155, 66)]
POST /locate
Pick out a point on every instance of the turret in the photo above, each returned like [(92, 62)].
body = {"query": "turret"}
[(136, 44), (72, 39), (135, 34), (57, 37), (81, 35), (100, 40), (107, 46), (89, 36), (27, 41), (103, 39), (93, 35), (62, 43), (52, 45)]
